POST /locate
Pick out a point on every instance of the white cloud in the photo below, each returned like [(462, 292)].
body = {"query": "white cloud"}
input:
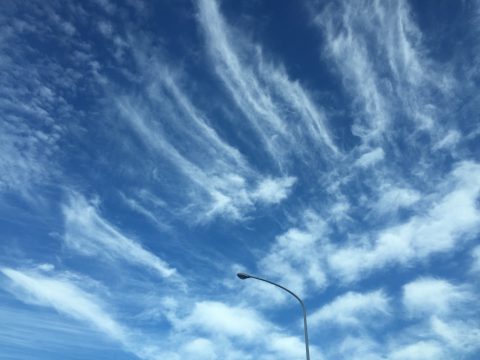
[(476, 259), (216, 179), (347, 48), (219, 330), (371, 158), (289, 346), (26, 156), (305, 254), (448, 141), (107, 6), (261, 91), (24, 327), (339, 210), (200, 348), (353, 309), (46, 267), (241, 83), (443, 320), (395, 78), (358, 348), (219, 318), (463, 336), (68, 298), (294, 257), (393, 198), (195, 125), (426, 296), (105, 28), (151, 215), (221, 183), (438, 230), (34, 97), (314, 119), (68, 28), (87, 232), (153, 135), (425, 350), (274, 190)]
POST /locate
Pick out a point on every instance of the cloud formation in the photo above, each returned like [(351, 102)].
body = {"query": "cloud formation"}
[(432, 296), (436, 231), (61, 294), (261, 91), (91, 235), (328, 146), (353, 309)]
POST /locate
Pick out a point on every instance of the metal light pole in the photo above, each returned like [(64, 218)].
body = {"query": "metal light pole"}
[(244, 276)]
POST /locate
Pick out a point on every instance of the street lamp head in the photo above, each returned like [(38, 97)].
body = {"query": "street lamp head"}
[(243, 276)]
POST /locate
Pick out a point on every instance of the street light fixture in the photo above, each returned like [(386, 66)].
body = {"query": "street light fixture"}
[(243, 276)]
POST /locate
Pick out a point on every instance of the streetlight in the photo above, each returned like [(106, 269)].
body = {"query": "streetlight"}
[(243, 276)]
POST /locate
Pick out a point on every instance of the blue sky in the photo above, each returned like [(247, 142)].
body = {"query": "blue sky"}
[(151, 150)]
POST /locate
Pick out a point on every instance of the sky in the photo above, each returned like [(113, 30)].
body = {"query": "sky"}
[(150, 150)]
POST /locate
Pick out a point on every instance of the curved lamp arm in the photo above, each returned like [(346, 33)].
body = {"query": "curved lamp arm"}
[(244, 276)]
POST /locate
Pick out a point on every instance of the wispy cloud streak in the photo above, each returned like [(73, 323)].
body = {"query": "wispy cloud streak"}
[(377, 48), (261, 90), (63, 295), (90, 234), (222, 182)]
